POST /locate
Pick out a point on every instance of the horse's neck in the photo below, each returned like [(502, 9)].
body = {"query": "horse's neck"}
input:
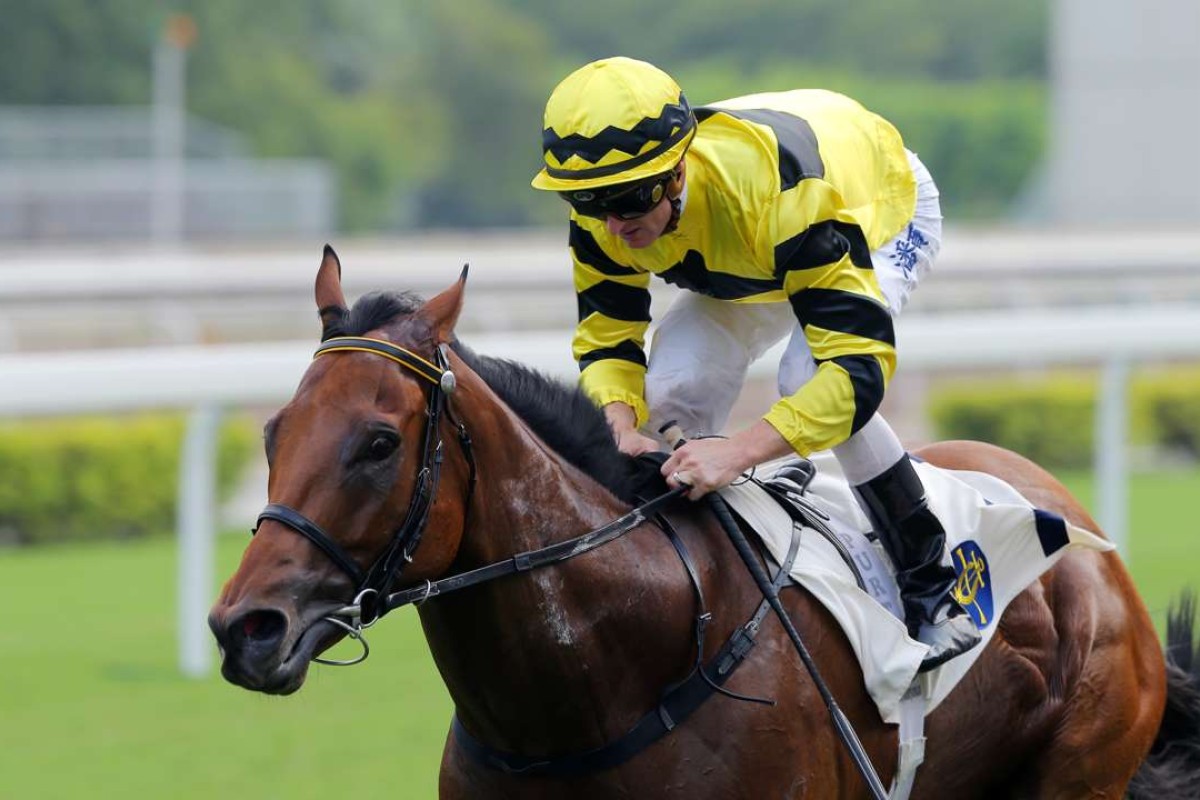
[(529, 497), (541, 660)]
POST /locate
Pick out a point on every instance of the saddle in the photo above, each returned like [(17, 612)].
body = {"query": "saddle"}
[(997, 541)]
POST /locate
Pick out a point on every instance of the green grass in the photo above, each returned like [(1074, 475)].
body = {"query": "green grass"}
[(91, 703)]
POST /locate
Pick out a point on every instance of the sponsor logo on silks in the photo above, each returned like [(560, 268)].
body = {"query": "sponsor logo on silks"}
[(973, 590), (906, 251)]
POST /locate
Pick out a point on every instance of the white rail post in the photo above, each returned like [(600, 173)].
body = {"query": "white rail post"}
[(167, 210), (1111, 451), (196, 523)]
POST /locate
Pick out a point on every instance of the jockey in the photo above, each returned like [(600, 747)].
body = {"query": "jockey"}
[(794, 214)]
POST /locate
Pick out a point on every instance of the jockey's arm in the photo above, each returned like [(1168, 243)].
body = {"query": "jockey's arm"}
[(830, 282), (614, 314), (831, 286)]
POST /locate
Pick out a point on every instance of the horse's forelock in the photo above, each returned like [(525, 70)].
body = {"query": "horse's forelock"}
[(383, 309)]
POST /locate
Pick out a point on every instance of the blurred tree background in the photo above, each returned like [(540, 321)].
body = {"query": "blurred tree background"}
[(431, 112)]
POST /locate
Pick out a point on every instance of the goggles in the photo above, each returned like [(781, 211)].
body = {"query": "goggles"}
[(623, 201)]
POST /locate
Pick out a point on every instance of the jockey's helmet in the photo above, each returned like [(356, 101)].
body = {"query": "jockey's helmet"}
[(613, 121)]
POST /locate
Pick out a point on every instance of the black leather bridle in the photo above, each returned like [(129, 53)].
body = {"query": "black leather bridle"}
[(375, 582), (373, 600)]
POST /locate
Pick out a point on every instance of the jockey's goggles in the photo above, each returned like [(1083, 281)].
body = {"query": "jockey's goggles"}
[(623, 201)]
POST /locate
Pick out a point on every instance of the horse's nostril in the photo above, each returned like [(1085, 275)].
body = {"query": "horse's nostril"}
[(259, 627)]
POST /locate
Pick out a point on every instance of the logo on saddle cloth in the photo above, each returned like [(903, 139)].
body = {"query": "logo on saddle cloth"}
[(973, 591)]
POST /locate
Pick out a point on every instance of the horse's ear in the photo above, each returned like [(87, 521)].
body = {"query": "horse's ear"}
[(331, 303), (442, 311)]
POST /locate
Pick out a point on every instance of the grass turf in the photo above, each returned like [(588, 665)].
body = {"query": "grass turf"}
[(92, 704)]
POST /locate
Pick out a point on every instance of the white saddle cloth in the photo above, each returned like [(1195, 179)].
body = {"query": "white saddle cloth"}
[(998, 542)]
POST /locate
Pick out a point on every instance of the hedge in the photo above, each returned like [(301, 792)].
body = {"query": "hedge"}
[(1052, 419), (1173, 403), (101, 478)]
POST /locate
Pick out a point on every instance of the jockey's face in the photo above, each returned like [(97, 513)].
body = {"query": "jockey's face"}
[(644, 230)]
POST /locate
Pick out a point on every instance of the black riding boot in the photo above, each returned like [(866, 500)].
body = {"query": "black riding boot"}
[(915, 540)]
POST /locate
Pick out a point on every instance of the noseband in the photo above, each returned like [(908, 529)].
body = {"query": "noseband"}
[(376, 582)]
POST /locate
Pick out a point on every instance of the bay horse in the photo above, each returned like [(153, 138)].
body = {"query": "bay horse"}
[(1065, 703)]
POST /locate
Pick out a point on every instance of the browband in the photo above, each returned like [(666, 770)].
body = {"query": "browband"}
[(405, 358)]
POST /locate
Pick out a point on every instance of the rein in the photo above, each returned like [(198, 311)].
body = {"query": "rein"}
[(523, 562)]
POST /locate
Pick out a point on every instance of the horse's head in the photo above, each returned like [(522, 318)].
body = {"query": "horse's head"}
[(356, 459)]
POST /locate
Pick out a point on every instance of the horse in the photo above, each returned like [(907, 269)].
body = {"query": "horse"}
[(482, 459)]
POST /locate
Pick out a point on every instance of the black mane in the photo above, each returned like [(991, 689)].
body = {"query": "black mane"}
[(560, 414)]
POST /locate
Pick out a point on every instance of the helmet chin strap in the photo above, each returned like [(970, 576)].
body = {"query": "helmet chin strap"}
[(676, 210), (675, 194)]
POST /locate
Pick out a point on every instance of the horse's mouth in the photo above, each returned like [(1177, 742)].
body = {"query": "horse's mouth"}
[(289, 673), (316, 638)]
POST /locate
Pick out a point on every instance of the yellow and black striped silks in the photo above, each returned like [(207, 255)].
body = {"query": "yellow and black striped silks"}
[(787, 195), (613, 121)]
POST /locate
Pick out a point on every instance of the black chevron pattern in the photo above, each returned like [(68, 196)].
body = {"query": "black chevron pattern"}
[(676, 118)]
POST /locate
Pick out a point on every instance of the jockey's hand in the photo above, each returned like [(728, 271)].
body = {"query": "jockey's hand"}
[(634, 443), (709, 464), (623, 423), (705, 465)]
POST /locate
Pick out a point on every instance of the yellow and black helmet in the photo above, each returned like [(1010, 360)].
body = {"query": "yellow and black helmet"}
[(612, 121)]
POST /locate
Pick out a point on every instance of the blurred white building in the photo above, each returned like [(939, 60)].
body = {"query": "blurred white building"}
[(90, 173), (1125, 115)]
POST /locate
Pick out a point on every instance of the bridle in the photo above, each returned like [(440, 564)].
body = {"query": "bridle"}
[(372, 599), (376, 582), (372, 596)]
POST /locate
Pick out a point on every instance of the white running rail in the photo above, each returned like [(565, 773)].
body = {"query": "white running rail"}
[(209, 379)]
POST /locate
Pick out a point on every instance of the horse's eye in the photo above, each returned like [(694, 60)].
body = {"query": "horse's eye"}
[(381, 447)]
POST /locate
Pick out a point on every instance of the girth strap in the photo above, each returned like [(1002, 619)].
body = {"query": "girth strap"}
[(677, 704)]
